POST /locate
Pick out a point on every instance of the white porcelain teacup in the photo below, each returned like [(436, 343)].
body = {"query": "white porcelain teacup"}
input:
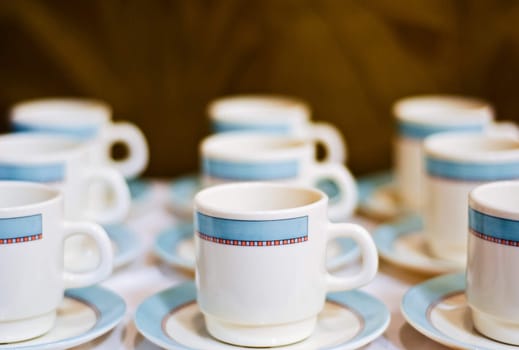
[(275, 114), (260, 261), (456, 163), (420, 116), (247, 156), (32, 276), (85, 119), (66, 164), (493, 256)]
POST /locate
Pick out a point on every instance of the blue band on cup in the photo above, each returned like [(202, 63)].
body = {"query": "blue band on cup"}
[(471, 171), (83, 132), (494, 229), (34, 173), (260, 233), (421, 131), (21, 229), (220, 126), (227, 170)]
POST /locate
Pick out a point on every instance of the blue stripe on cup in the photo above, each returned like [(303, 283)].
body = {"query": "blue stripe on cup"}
[(456, 170), (83, 132), (494, 229), (34, 173), (245, 171), (220, 126), (20, 229), (252, 233), (421, 131)]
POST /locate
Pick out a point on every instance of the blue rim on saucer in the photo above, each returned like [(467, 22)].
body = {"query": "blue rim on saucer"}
[(167, 243), (330, 188), (139, 188), (410, 227), (378, 197), (127, 243), (182, 190), (419, 301), (367, 185), (108, 307), (152, 312)]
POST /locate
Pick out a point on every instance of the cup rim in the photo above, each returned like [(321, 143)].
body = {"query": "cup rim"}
[(219, 146), (292, 107), (201, 206), (30, 111), (425, 110), (75, 148), (479, 202), (435, 146), (55, 195)]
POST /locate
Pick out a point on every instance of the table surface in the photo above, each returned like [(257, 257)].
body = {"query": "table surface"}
[(148, 275)]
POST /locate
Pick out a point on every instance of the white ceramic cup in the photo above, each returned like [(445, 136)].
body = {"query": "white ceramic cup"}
[(421, 116), (246, 156), (275, 114), (32, 277), (456, 163), (85, 119), (65, 163), (493, 257), (260, 261)]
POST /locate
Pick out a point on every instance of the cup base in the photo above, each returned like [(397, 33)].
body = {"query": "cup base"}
[(489, 326), (260, 336), (27, 328)]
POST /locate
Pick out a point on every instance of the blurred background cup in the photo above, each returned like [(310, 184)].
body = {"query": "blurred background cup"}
[(85, 119), (260, 261), (66, 164), (32, 276), (421, 116), (247, 156), (275, 114), (493, 257), (456, 163)]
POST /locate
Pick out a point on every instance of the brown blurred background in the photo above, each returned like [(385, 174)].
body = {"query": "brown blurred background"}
[(160, 62)]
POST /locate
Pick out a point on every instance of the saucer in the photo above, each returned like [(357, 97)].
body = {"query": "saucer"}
[(139, 189), (175, 246), (84, 314), (172, 320), (378, 196), (126, 246), (125, 242), (182, 190), (403, 243), (438, 309)]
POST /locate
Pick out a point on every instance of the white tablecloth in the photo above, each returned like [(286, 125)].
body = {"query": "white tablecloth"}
[(148, 275)]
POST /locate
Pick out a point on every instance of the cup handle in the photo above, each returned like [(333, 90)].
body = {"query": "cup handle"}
[(330, 137), (120, 206), (104, 268), (346, 203), (135, 141), (503, 128), (368, 252)]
